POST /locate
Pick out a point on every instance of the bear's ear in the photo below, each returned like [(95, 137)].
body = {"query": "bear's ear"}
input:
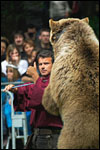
[(53, 24), (50, 23), (86, 20)]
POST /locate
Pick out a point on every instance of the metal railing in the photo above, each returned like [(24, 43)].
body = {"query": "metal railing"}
[(15, 83), (15, 118)]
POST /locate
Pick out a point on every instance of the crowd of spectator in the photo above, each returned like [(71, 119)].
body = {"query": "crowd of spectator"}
[(16, 58)]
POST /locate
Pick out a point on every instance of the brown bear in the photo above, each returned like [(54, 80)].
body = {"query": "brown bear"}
[(73, 91)]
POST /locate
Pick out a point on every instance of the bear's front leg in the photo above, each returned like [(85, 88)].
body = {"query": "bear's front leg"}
[(48, 102)]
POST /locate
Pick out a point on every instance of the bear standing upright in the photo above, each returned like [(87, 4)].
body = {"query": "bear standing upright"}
[(73, 90)]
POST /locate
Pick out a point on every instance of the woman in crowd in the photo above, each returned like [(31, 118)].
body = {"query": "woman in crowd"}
[(13, 57), (31, 53), (28, 47)]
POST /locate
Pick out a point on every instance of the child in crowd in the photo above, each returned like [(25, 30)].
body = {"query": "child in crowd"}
[(12, 76)]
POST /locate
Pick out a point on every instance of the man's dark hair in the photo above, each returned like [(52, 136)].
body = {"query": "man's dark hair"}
[(5, 40), (31, 26), (44, 30), (19, 32), (45, 53)]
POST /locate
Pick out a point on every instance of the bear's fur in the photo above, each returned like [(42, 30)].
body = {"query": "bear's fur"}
[(73, 91)]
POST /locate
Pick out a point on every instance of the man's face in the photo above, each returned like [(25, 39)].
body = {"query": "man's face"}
[(18, 39), (45, 65), (31, 32), (44, 37), (3, 48)]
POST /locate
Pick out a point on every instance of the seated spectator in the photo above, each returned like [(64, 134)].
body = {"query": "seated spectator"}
[(28, 47), (13, 56), (34, 54), (44, 42), (31, 32), (31, 59), (18, 40), (13, 75), (4, 45)]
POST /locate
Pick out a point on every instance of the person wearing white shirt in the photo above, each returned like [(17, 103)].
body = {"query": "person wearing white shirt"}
[(13, 57)]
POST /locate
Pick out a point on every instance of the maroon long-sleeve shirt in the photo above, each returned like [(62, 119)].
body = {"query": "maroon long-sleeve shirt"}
[(30, 98)]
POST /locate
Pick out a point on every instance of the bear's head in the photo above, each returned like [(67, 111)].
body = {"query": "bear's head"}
[(59, 27)]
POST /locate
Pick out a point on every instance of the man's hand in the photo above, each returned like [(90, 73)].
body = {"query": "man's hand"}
[(9, 88), (32, 71)]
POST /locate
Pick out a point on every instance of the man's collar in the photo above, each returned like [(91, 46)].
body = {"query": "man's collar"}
[(44, 79)]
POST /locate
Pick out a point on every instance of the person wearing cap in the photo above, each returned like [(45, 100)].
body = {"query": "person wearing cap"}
[(12, 76), (46, 127)]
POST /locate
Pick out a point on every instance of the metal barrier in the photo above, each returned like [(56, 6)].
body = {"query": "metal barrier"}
[(1, 126), (15, 83), (17, 121), (5, 83)]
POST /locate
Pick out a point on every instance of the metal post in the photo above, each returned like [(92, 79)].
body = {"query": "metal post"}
[(25, 129), (21, 118), (1, 125)]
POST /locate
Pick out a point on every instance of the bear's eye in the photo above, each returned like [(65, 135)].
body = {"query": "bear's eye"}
[(56, 36), (53, 38)]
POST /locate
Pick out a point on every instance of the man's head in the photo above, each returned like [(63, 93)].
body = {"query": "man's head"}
[(31, 30), (4, 45), (18, 38), (45, 59), (44, 36)]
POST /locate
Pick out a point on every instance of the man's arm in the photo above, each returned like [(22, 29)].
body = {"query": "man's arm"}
[(27, 79), (19, 101), (27, 97)]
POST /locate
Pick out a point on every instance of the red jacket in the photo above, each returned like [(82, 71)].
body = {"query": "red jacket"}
[(30, 98)]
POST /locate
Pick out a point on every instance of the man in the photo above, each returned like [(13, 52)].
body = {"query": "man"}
[(4, 45), (44, 42), (46, 126), (31, 33), (18, 39)]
